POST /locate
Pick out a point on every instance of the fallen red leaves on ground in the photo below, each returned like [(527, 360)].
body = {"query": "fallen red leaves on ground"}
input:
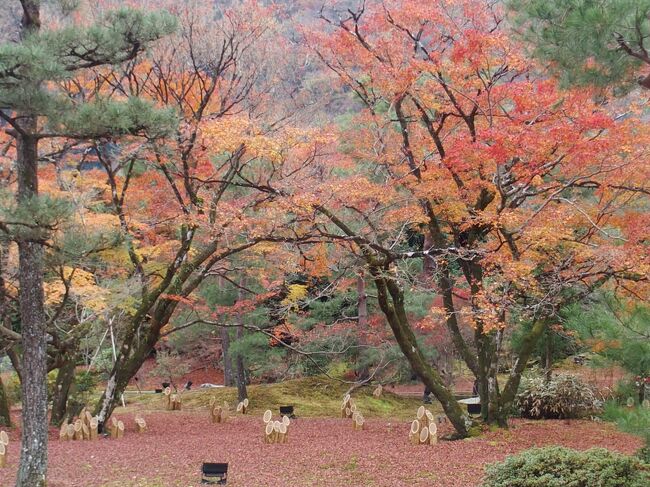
[(320, 452)]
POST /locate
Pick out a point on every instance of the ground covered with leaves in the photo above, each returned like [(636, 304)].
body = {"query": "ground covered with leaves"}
[(320, 452)]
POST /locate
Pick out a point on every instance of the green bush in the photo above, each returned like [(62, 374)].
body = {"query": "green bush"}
[(635, 420), (564, 396), (562, 467)]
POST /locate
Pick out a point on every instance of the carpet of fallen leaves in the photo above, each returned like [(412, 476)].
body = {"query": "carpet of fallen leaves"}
[(320, 452)]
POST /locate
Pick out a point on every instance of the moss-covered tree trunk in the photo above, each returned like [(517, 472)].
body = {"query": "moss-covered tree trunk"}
[(391, 302), (64, 380)]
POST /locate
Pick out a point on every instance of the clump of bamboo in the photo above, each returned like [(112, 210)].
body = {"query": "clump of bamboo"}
[(275, 431), (423, 429)]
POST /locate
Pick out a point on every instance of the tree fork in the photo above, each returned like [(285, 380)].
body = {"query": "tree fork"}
[(391, 302)]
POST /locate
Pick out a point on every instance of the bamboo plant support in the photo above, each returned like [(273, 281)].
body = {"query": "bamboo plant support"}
[(348, 407), (423, 429), (275, 431), (140, 424), (358, 421), (218, 414), (242, 407), (4, 443)]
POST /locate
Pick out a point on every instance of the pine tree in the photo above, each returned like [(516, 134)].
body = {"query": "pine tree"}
[(35, 109), (589, 41)]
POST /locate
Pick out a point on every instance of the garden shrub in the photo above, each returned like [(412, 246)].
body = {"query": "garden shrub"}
[(556, 466), (634, 420), (563, 396)]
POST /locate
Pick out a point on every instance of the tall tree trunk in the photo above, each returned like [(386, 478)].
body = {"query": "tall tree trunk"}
[(5, 410), (228, 380), (503, 404), (64, 379), (242, 392), (429, 263), (391, 302), (32, 470), (548, 355), (5, 417), (227, 359), (129, 360), (362, 321), (240, 376), (33, 460)]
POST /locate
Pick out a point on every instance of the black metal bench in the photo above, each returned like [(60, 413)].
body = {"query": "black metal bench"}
[(287, 411), (214, 473)]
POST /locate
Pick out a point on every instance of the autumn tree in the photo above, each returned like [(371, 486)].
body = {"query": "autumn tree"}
[(183, 204), (35, 109), (460, 142)]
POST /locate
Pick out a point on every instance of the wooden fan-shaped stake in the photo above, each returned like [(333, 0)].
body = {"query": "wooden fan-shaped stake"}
[(268, 432), (175, 402), (424, 435), (282, 433), (218, 415), (378, 390), (276, 431), (112, 429), (70, 431), (267, 416), (430, 417), (94, 424), (347, 407), (420, 413), (433, 434), (358, 421), (63, 433), (78, 432), (140, 425), (85, 431), (423, 429), (167, 397), (242, 407), (4, 442), (414, 435), (120, 429)]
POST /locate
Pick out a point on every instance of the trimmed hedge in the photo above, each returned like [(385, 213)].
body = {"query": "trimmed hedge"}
[(563, 467)]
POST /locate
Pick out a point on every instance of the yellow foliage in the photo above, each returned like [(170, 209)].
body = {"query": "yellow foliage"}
[(297, 292), (83, 289)]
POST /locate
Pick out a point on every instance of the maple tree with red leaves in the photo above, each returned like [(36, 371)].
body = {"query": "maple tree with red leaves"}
[(316, 184)]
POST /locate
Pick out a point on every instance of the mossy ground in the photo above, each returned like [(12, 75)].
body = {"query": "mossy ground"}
[(310, 397)]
